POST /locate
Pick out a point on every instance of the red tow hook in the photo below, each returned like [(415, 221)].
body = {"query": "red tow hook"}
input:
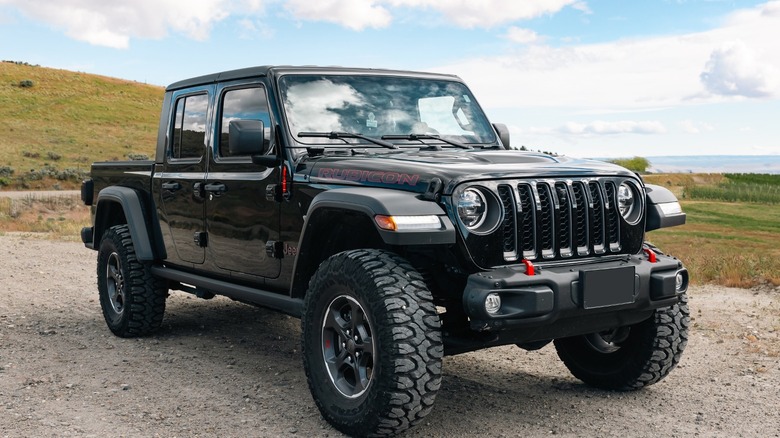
[(529, 267), (650, 255)]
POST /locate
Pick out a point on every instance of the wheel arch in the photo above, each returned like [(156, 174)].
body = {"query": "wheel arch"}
[(343, 219), (118, 205)]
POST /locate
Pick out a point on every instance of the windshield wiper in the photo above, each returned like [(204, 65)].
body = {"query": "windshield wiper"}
[(420, 137), (334, 135)]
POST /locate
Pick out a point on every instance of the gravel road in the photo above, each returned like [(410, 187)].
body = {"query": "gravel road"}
[(220, 368)]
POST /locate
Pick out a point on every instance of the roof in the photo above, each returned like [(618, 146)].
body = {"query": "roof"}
[(266, 70)]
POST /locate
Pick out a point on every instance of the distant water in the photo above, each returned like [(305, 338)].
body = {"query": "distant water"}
[(716, 164)]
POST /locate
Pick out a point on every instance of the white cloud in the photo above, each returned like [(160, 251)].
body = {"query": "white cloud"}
[(651, 72), (734, 70), (488, 13), (353, 14), (521, 36), (582, 7), (361, 14), (250, 29), (113, 24), (600, 127), (691, 127)]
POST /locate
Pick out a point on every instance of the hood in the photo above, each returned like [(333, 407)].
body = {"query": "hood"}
[(413, 170)]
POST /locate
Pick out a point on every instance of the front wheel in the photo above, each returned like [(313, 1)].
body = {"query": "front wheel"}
[(372, 344), (133, 301), (632, 357)]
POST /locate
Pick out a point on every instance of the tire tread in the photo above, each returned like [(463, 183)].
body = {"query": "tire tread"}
[(657, 348), (145, 293), (407, 317)]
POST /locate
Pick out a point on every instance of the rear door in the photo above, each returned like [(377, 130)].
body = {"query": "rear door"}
[(184, 172), (240, 219)]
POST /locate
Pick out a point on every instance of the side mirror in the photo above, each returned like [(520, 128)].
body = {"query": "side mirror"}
[(503, 133), (247, 137)]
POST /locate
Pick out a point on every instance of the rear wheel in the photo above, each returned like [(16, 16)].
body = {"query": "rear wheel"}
[(372, 343), (133, 301), (632, 357)]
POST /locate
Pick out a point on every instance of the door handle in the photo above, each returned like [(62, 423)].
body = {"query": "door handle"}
[(215, 188), (172, 186)]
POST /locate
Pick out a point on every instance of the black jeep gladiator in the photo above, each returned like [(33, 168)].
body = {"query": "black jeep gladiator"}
[(385, 211)]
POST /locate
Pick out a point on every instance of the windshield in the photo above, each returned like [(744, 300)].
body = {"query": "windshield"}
[(381, 106)]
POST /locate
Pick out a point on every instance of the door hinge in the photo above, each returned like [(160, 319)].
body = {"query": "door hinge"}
[(201, 239), (274, 249)]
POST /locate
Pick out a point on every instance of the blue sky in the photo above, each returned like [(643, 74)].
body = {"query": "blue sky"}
[(599, 78)]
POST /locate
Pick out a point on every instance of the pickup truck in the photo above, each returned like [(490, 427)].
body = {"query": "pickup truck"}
[(385, 211)]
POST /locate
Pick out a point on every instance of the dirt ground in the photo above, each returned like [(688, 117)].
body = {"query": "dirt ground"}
[(220, 368)]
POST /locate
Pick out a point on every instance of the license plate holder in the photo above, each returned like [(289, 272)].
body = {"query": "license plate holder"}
[(607, 287)]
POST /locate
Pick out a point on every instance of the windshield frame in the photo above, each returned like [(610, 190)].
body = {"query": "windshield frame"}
[(487, 137)]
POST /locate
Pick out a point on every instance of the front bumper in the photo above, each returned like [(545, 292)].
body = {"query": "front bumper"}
[(568, 300)]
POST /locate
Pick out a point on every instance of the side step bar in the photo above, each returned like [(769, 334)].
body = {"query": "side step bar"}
[(283, 303)]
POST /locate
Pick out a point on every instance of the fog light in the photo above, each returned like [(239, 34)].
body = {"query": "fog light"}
[(492, 303)]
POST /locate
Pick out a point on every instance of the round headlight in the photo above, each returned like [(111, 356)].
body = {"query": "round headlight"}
[(472, 207), (626, 200)]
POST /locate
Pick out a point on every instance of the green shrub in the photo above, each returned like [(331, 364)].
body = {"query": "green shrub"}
[(137, 157), (53, 156), (6, 171), (636, 164), (29, 154), (26, 83), (754, 178), (735, 192), (71, 174)]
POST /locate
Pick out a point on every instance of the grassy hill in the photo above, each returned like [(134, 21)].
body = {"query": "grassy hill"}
[(55, 123)]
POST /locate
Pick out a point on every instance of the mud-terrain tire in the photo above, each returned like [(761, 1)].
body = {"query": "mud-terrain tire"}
[(633, 357), (372, 343), (133, 301)]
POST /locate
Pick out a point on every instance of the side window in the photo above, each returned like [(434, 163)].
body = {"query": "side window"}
[(189, 129), (242, 104)]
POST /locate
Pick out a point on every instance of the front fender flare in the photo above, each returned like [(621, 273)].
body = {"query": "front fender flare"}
[(663, 209), (375, 201)]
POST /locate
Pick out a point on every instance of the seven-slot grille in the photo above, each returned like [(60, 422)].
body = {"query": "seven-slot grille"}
[(551, 219)]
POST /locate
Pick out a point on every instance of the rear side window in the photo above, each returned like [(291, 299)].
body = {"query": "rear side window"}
[(242, 104), (189, 129)]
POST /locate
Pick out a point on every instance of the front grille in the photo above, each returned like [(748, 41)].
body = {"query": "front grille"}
[(559, 219)]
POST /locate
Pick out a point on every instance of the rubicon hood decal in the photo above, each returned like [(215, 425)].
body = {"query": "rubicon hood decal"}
[(370, 176)]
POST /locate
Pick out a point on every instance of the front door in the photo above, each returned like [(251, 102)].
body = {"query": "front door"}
[(181, 182), (240, 219)]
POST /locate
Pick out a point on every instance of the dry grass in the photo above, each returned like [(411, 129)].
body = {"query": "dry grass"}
[(53, 217), (677, 182)]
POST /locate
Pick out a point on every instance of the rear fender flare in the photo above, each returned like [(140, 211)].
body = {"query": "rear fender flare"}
[(131, 205)]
